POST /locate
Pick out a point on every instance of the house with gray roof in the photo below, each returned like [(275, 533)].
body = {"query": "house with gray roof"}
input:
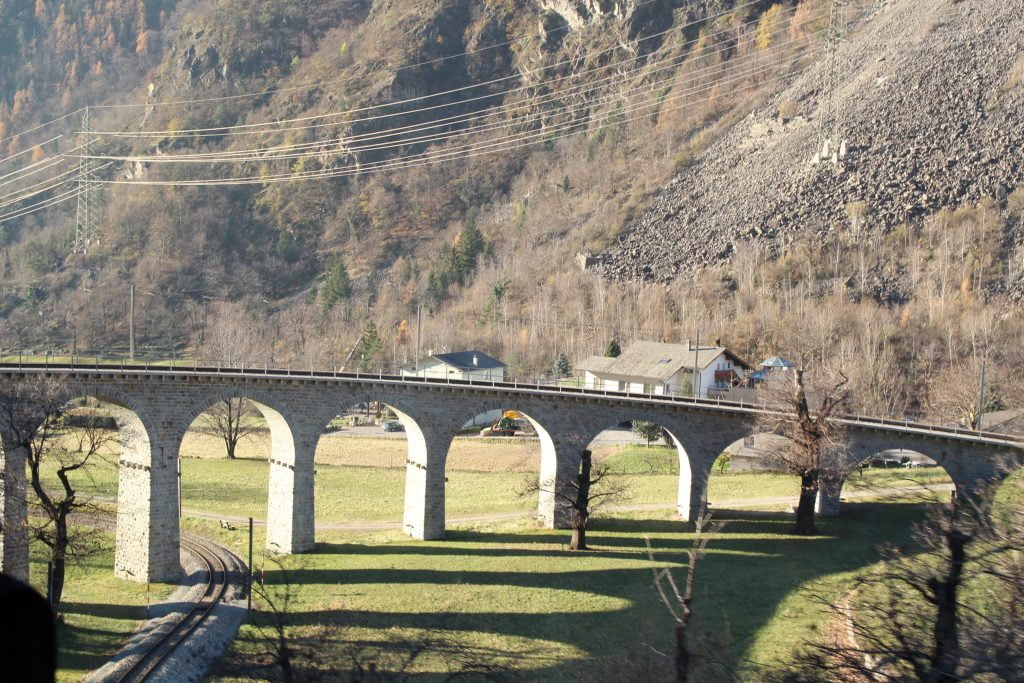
[(665, 369), (471, 365)]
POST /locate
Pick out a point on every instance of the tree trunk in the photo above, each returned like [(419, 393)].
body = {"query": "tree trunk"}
[(682, 655), (579, 538), (805, 508), (946, 657), (581, 506), (231, 444), (58, 558)]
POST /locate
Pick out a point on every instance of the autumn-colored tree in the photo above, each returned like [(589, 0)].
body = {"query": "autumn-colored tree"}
[(768, 26)]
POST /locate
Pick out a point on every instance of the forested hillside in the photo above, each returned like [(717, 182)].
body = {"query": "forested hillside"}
[(281, 180)]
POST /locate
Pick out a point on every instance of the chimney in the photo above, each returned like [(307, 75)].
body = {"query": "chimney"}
[(474, 360), (718, 342)]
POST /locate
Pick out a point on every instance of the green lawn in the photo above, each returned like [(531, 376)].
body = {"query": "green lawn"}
[(99, 610), (508, 591), (511, 594), (369, 494)]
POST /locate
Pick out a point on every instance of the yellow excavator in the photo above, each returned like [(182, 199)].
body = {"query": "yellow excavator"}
[(506, 425)]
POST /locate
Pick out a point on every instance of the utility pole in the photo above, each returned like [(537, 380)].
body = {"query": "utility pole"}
[(419, 326), (981, 396), (696, 370), (248, 583), (131, 322), (85, 220)]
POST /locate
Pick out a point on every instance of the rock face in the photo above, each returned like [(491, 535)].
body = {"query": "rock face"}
[(577, 13), (931, 102)]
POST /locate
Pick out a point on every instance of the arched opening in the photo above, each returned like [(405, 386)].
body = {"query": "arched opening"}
[(496, 467), (749, 476), (232, 489), (361, 456), (121, 470), (648, 466), (894, 474), (104, 430)]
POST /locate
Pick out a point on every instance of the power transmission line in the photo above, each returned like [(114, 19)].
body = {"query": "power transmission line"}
[(830, 144), (308, 86), (223, 130), (29, 149), (346, 144), (85, 220), (506, 143), (299, 150)]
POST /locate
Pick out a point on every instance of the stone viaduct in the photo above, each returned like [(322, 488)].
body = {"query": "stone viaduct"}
[(155, 406)]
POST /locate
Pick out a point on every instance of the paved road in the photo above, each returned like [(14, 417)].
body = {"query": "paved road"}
[(728, 504)]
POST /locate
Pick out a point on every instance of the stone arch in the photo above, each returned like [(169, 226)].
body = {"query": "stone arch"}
[(130, 415), (273, 410), (140, 554), (829, 500), (552, 452), (290, 524), (423, 516), (691, 489)]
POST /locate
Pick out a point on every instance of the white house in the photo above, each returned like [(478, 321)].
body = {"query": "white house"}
[(471, 365), (664, 369)]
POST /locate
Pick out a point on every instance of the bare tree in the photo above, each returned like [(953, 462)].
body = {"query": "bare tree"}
[(231, 421), (593, 487), (959, 394), (33, 414), (813, 440), (951, 611), (679, 602)]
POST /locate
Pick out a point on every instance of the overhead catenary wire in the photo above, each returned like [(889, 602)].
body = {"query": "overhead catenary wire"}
[(219, 130), (264, 153)]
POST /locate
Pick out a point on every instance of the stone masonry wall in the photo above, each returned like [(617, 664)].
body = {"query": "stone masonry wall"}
[(158, 407)]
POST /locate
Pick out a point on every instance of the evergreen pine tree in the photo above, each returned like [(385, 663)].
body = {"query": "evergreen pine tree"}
[(370, 346), (562, 366), (613, 350), (337, 284)]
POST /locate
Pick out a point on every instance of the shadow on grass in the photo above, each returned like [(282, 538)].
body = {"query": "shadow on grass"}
[(752, 566), (104, 611)]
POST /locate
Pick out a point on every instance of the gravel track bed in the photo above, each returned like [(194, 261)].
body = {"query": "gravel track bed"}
[(191, 659)]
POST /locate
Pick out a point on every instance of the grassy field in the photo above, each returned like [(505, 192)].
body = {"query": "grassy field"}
[(510, 594), (100, 611), (587, 615), (477, 484)]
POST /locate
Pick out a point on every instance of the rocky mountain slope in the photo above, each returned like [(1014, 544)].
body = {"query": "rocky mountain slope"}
[(662, 135), (930, 100)]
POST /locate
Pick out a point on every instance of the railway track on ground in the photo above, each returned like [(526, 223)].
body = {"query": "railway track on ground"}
[(220, 567)]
